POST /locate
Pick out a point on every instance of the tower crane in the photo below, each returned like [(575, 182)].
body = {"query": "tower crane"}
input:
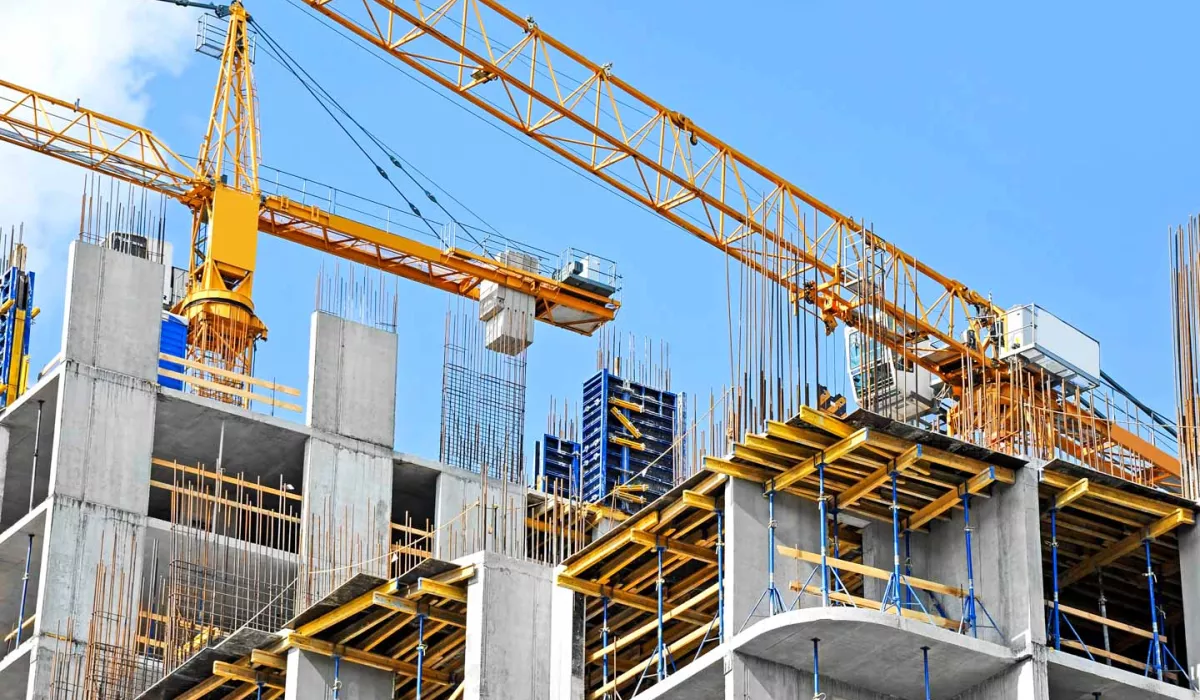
[(230, 207), (928, 323)]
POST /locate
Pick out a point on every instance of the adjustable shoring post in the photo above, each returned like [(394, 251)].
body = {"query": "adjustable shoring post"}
[(907, 566), (1054, 568), (1155, 655), (662, 662), (720, 577), (824, 542), (969, 611), (1104, 613), (816, 668), (604, 640), (258, 690), (925, 661), (420, 652), (891, 594), (771, 594), (337, 682)]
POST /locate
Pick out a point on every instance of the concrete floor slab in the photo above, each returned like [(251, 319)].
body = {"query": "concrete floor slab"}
[(1076, 678), (703, 679), (14, 672), (873, 651)]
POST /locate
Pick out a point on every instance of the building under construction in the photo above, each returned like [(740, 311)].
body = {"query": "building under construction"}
[(903, 491)]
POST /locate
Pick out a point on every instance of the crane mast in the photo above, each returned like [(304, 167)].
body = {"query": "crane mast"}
[(507, 66)]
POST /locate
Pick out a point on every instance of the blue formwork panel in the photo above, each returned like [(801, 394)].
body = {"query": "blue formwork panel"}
[(172, 341), (613, 455), (16, 286), (558, 471)]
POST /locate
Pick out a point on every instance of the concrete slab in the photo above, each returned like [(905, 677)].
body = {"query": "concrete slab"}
[(14, 672), (703, 679), (873, 651), (188, 430), (1076, 678)]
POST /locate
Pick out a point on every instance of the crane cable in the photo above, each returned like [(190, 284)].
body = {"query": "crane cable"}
[(326, 101)]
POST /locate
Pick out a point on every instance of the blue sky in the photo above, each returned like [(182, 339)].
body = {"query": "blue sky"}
[(1033, 152)]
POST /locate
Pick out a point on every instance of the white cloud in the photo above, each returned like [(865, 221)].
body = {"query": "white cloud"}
[(102, 52)]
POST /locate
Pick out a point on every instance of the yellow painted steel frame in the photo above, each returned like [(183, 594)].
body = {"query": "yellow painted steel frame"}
[(506, 65), (662, 159)]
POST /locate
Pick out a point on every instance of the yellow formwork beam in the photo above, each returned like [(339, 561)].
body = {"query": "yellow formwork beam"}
[(875, 479), (951, 498), (1119, 549)]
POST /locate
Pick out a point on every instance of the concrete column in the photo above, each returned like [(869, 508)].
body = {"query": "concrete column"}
[(311, 677), (746, 550), (1189, 574), (347, 485), (470, 520), (567, 635), (352, 379), (103, 440), (1025, 680), (508, 645), (1007, 527)]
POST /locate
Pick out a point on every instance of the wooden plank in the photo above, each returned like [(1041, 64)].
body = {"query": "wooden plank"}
[(829, 455), (442, 590), (366, 658), (623, 597), (696, 500), (871, 571), (248, 675), (636, 670), (876, 605), (199, 366), (675, 546), (1116, 497), (1070, 643), (203, 688), (875, 479), (632, 636), (1119, 549), (1106, 621), (622, 403), (952, 498), (226, 389), (258, 657), (345, 612), (595, 553), (226, 478), (720, 465), (1071, 494), (413, 607), (229, 503)]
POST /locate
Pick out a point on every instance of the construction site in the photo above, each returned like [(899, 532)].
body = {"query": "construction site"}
[(902, 489)]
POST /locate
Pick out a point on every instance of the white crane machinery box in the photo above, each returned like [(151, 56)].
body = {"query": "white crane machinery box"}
[(1048, 342)]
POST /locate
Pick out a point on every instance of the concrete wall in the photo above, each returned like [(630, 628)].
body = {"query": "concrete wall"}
[(103, 438), (348, 467), (567, 635), (1189, 574), (351, 379), (509, 630), (1027, 680), (746, 516), (1006, 543), (468, 520), (311, 677)]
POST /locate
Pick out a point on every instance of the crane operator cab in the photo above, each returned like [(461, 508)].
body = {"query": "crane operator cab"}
[(885, 382)]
